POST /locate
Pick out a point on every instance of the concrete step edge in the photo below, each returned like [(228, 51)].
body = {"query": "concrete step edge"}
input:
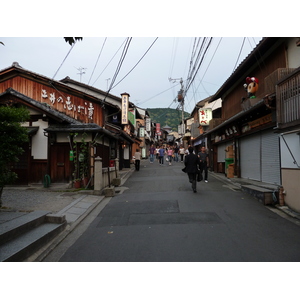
[(24, 245), (20, 225)]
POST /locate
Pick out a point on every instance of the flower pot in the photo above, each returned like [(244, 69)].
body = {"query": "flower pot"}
[(77, 184), (85, 181)]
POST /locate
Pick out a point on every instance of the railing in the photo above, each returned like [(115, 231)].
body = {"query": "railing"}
[(272, 79), (288, 99)]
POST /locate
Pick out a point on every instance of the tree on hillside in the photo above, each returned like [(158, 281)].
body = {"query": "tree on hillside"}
[(167, 116), (12, 137)]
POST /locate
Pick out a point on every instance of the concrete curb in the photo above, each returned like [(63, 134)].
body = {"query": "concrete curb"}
[(285, 209), (40, 255), (47, 249)]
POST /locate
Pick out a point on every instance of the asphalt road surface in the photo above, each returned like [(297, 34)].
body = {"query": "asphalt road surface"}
[(159, 219)]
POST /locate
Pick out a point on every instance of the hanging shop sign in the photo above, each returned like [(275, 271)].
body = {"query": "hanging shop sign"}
[(125, 109), (142, 131), (205, 115), (157, 128), (125, 104), (115, 119), (131, 116), (148, 124)]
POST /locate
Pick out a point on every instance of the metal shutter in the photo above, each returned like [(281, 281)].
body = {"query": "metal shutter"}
[(250, 157), (270, 159)]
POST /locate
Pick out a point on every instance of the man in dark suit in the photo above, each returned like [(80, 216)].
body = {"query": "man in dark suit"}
[(192, 163)]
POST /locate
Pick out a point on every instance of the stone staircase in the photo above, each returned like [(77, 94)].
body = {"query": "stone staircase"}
[(24, 235)]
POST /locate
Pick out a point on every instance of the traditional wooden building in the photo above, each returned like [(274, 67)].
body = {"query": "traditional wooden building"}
[(260, 106), (67, 127)]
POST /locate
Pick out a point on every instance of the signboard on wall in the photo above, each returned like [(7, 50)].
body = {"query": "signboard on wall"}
[(68, 105), (205, 115), (131, 116)]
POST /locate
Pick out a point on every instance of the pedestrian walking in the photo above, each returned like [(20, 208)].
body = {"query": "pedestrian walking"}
[(170, 155), (176, 153), (152, 152), (192, 163), (157, 153), (161, 155), (181, 153), (204, 162), (137, 156)]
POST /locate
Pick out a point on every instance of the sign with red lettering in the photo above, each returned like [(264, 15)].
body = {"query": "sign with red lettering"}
[(205, 115)]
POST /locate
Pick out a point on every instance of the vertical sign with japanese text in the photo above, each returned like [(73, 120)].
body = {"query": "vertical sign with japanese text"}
[(125, 104), (142, 132), (148, 124), (158, 129)]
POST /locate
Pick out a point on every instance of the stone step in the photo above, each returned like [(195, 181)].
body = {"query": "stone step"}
[(262, 194), (24, 245), (17, 226)]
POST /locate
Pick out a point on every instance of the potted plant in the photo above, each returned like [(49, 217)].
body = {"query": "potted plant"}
[(75, 174), (83, 160), (77, 183)]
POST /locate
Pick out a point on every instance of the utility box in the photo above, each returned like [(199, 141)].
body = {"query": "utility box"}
[(228, 161)]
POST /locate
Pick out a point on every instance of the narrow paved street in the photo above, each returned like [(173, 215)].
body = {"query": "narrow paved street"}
[(159, 219)]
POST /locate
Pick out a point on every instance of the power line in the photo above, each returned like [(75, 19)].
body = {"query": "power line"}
[(128, 41), (97, 60), (201, 80), (136, 63), (64, 60), (239, 54), (123, 55), (109, 62), (196, 68), (160, 93)]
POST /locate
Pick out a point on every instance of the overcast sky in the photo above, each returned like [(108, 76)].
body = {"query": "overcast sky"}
[(94, 61), (33, 38)]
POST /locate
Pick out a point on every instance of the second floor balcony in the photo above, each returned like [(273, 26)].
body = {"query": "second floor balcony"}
[(288, 100)]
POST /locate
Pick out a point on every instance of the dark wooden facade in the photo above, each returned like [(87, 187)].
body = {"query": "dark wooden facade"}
[(58, 96), (231, 102), (239, 121), (57, 105)]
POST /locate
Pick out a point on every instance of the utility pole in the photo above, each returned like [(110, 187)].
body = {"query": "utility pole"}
[(181, 101), (180, 98)]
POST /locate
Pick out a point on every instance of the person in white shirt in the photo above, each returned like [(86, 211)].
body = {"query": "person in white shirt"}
[(137, 156), (181, 152)]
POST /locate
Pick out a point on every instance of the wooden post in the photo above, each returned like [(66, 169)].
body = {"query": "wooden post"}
[(117, 167)]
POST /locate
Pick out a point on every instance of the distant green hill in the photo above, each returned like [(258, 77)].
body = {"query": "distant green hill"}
[(166, 116)]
